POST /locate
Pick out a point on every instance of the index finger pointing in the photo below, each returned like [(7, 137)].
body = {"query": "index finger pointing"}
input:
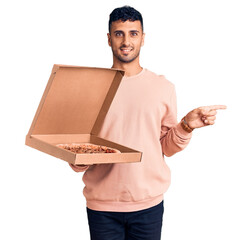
[(217, 107)]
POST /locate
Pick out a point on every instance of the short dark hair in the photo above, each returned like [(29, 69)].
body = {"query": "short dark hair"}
[(125, 13)]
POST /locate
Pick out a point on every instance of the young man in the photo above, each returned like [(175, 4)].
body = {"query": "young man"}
[(125, 201)]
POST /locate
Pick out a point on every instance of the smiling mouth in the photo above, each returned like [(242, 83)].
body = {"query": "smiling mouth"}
[(126, 50)]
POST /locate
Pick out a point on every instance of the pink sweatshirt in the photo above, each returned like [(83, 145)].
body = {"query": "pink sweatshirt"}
[(142, 116)]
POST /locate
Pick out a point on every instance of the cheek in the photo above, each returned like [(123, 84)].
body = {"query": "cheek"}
[(138, 44), (114, 44)]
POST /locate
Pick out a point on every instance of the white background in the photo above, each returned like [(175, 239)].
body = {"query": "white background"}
[(203, 47)]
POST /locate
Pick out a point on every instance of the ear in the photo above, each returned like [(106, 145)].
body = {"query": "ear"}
[(109, 39), (142, 42)]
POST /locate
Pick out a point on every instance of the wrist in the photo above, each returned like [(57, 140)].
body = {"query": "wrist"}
[(185, 125)]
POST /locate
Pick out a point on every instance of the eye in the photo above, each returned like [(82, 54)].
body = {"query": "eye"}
[(134, 34), (118, 34)]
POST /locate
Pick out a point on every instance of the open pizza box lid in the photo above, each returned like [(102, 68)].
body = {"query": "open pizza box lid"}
[(72, 109)]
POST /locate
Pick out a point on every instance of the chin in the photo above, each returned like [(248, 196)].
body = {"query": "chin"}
[(127, 59)]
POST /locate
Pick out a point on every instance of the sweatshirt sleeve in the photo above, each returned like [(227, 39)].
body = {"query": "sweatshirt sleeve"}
[(173, 137)]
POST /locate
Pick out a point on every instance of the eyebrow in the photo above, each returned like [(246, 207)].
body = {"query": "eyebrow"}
[(118, 31), (132, 31)]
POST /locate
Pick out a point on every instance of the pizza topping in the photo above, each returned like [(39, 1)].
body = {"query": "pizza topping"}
[(87, 148)]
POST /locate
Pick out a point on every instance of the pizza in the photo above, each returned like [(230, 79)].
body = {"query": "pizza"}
[(87, 148)]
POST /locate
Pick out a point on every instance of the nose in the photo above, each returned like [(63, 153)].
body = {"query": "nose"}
[(126, 40)]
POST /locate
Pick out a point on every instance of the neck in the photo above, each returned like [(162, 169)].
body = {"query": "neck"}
[(131, 69)]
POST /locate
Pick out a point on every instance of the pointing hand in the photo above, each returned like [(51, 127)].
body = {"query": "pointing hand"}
[(203, 116)]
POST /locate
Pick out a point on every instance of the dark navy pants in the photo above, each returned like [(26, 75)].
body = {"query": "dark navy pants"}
[(139, 225)]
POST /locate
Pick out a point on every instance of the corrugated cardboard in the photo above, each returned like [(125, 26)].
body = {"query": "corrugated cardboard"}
[(72, 110)]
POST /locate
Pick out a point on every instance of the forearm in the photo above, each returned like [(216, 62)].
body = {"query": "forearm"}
[(175, 140)]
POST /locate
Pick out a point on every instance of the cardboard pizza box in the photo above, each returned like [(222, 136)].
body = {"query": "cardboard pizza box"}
[(72, 110)]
